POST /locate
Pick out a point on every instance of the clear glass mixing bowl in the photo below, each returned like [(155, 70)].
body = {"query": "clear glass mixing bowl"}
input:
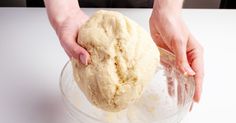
[(167, 98)]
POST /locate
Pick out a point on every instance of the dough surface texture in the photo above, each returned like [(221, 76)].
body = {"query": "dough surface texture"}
[(123, 60)]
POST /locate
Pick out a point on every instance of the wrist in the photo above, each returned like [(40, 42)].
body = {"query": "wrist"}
[(58, 11), (167, 7), (60, 18), (163, 17)]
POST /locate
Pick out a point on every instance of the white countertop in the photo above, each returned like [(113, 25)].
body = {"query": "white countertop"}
[(31, 59)]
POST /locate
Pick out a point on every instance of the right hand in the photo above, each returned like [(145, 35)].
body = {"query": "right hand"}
[(170, 32), (68, 32)]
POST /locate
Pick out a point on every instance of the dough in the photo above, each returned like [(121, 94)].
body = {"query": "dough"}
[(123, 57)]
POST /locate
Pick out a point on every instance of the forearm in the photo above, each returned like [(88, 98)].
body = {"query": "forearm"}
[(59, 10), (168, 6)]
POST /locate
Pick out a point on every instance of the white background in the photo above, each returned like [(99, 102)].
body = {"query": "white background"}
[(31, 59)]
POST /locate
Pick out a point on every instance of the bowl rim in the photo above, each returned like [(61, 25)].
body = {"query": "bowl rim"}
[(67, 100)]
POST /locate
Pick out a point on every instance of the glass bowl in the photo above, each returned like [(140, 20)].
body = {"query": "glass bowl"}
[(167, 99)]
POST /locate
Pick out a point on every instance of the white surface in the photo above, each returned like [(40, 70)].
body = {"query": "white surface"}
[(31, 59)]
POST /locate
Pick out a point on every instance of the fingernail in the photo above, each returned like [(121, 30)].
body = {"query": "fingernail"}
[(189, 71), (197, 96), (191, 107), (83, 59), (185, 73)]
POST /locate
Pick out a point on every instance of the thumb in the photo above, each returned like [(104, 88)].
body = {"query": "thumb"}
[(75, 51), (179, 49), (79, 53)]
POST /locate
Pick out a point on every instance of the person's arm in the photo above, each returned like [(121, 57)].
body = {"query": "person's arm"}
[(66, 17), (168, 6), (170, 32)]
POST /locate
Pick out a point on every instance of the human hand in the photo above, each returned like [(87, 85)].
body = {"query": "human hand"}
[(66, 17), (67, 32), (169, 31)]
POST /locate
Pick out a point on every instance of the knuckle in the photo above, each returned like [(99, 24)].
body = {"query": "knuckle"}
[(180, 64), (74, 52), (176, 42), (76, 49)]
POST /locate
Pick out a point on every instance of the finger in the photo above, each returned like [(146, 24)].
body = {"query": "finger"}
[(179, 48), (76, 51), (170, 85), (79, 53), (191, 107), (197, 63), (180, 93)]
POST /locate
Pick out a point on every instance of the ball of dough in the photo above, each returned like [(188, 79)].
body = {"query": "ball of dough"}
[(123, 59)]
